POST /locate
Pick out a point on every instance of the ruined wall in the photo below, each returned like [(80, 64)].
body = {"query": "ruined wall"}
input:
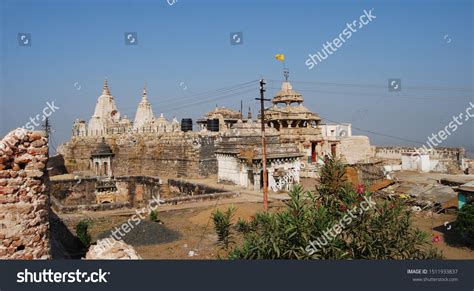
[(70, 192), (206, 147), (181, 187), (131, 191), (174, 154), (139, 189), (442, 160), (355, 149), (395, 153), (24, 201), (369, 172)]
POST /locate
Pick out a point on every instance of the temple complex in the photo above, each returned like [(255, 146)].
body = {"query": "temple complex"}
[(106, 119), (221, 146)]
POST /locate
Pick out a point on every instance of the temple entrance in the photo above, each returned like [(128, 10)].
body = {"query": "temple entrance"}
[(261, 179), (250, 179), (314, 154), (333, 150)]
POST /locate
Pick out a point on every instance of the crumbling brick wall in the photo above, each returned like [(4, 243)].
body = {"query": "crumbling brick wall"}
[(24, 199)]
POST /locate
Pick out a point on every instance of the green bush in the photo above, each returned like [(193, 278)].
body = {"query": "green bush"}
[(223, 224), (153, 215), (243, 226), (82, 232), (382, 231), (464, 224)]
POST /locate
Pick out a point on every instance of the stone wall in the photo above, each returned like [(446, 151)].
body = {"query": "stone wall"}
[(355, 149), (441, 160), (181, 187), (176, 154), (24, 201), (371, 172), (440, 153), (80, 193), (71, 192)]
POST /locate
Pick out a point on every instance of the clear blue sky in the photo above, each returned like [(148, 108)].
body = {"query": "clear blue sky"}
[(76, 44)]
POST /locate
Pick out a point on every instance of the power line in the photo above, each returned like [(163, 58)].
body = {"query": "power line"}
[(198, 102), (205, 96), (213, 92), (378, 133), (361, 129), (378, 95), (376, 86)]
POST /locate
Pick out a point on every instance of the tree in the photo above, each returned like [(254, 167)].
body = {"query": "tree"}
[(82, 232), (464, 224)]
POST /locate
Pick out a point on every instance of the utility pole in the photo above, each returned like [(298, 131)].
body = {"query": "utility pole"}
[(47, 128), (264, 145), (241, 109)]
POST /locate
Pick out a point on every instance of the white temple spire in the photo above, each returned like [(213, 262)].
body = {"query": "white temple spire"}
[(105, 112), (145, 94), (144, 113), (105, 89)]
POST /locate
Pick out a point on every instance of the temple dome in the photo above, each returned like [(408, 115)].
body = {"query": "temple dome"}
[(287, 95), (103, 149)]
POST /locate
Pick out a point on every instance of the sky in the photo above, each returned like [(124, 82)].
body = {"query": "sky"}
[(184, 53)]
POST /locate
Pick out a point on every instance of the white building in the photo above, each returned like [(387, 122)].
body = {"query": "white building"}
[(239, 159), (336, 130)]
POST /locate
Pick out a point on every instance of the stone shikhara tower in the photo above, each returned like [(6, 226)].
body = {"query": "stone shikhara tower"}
[(24, 199), (106, 119), (105, 114), (144, 113)]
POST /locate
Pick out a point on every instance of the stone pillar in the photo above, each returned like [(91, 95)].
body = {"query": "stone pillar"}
[(271, 180), (109, 167), (256, 181), (100, 168)]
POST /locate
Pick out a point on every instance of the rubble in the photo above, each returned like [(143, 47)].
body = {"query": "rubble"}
[(111, 249)]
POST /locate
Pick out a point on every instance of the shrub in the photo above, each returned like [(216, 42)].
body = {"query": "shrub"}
[(82, 232), (243, 226), (153, 215), (382, 231), (464, 224), (223, 224)]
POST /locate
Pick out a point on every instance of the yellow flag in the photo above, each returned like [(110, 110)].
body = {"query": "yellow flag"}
[(280, 57)]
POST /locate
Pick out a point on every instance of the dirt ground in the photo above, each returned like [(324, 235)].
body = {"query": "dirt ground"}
[(441, 225), (195, 228), (197, 238)]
